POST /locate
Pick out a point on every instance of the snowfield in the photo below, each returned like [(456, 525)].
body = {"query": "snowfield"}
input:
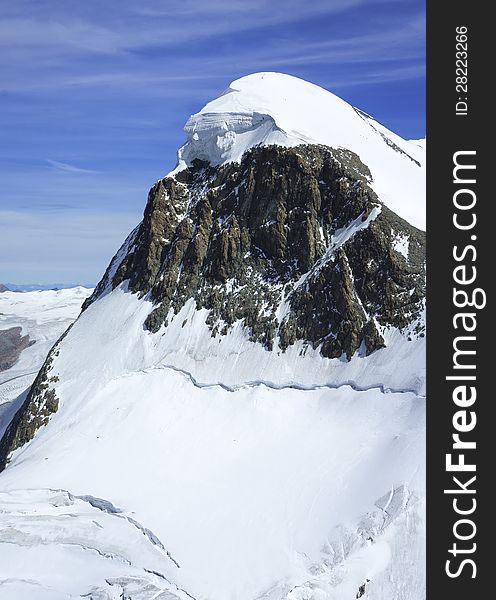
[(252, 492), (256, 490)]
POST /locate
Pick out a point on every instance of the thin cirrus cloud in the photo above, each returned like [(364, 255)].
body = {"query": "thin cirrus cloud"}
[(106, 87), (405, 43), (396, 41), (62, 166), (92, 27)]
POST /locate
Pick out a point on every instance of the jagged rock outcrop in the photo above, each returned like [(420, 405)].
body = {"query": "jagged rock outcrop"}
[(40, 403), (292, 241)]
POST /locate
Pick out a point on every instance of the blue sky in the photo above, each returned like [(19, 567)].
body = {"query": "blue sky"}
[(94, 96)]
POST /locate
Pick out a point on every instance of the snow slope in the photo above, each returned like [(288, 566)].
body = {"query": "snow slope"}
[(254, 489), (274, 108), (251, 492), (44, 316)]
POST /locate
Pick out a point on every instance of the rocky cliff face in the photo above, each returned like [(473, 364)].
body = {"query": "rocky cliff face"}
[(292, 241)]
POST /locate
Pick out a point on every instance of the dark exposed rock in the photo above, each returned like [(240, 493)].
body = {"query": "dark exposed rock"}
[(362, 589), (12, 343), (3, 288), (241, 238), (41, 402)]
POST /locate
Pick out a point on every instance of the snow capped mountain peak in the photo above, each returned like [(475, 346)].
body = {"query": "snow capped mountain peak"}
[(238, 410), (274, 108)]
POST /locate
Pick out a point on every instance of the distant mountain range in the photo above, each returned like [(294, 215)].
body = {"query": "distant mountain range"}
[(33, 287)]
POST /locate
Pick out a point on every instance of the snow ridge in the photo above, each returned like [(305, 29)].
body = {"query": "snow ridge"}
[(274, 108)]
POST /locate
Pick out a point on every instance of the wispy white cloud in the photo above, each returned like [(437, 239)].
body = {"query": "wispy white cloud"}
[(394, 43), (50, 38), (378, 76), (93, 28), (62, 166)]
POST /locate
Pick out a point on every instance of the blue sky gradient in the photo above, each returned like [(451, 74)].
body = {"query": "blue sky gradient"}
[(94, 96)]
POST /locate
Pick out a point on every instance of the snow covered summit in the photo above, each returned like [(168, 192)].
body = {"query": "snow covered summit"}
[(238, 411), (274, 108)]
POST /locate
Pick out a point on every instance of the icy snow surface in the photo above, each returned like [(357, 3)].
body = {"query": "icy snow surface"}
[(274, 108), (260, 475), (401, 244)]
